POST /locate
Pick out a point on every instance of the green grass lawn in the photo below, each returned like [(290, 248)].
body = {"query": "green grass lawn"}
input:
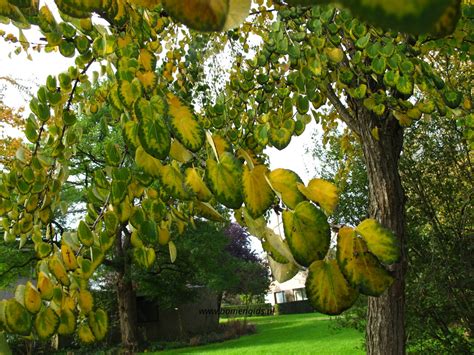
[(287, 334)]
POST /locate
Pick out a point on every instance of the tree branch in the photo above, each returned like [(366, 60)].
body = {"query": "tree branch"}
[(341, 109), (16, 266)]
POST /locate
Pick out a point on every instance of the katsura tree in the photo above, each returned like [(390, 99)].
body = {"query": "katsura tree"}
[(175, 163)]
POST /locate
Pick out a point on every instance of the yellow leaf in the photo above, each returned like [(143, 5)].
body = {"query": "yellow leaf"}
[(58, 270), (221, 145), (179, 152), (163, 236), (85, 301), (284, 183), (149, 164), (68, 256), (173, 251), (147, 59), (380, 241), (194, 182), (321, 192), (148, 80), (205, 210), (327, 289), (173, 182), (45, 286), (32, 299), (184, 124), (152, 129), (360, 267), (258, 195)]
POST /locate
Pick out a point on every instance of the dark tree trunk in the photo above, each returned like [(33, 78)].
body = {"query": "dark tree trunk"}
[(385, 333), (126, 295)]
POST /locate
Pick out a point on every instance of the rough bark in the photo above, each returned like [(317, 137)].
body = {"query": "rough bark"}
[(385, 333), (126, 296)]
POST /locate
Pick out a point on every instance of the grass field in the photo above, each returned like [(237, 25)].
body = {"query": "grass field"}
[(287, 334)]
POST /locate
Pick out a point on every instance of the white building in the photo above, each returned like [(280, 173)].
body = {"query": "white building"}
[(288, 291)]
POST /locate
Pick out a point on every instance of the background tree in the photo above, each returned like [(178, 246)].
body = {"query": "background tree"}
[(436, 171)]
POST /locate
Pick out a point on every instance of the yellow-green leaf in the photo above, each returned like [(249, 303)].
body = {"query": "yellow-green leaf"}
[(85, 301), (205, 210), (163, 236), (224, 178), (46, 323), (173, 182), (327, 289), (67, 322), (284, 183), (153, 131), (184, 124), (172, 250), (144, 256), (148, 163), (57, 268), (85, 234), (194, 182), (129, 92), (201, 15), (380, 241), (85, 334), (17, 318), (32, 300), (282, 272), (98, 322), (45, 286), (307, 232), (179, 152), (360, 267), (147, 59), (238, 12), (321, 192), (258, 195)]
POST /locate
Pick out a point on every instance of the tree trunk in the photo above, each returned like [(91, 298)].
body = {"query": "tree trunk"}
[(126, 296), (385, 333)]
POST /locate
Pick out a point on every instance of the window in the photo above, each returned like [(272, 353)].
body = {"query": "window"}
[(280, 297), (300, 294)]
